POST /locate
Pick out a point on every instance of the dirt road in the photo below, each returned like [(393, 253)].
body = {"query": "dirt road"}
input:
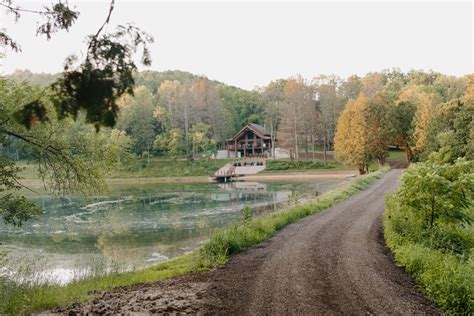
[(333, 262)]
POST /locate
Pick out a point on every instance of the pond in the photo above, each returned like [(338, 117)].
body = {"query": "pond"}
[(134, 225)]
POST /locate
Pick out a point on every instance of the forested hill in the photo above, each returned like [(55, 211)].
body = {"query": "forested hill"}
[(180, 114), (35, 79)]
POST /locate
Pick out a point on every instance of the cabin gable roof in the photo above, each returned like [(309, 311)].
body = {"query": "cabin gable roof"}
[(259, 130)]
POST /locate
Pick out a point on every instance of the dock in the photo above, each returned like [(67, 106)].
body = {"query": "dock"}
[(240, 168)]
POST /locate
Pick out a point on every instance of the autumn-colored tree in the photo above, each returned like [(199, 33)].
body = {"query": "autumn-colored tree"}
[(297, 109), (330, 104), (373, 83), (424, 109), (351, 144), (207, 106)]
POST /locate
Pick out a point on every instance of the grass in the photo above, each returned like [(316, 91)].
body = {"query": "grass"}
[(299, 165), (18, 299), (26, 298), (441, 259), (141, 168), (396, 155)]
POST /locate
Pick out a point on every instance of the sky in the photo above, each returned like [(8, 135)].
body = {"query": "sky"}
[(248, 44)]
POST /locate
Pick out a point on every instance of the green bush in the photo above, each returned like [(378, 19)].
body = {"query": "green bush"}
[(288, 165), (426, 225)]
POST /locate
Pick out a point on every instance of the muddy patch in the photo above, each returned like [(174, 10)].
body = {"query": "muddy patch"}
[(182, 295)]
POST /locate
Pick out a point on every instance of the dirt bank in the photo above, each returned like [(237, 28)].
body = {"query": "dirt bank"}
[(333, 262)]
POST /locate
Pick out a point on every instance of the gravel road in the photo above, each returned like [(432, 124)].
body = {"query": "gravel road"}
[(333, 262)]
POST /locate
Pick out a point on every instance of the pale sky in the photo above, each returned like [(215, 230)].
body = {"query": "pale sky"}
[(248, 44)]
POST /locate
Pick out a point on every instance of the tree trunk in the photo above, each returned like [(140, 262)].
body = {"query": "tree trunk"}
[(432, 208), (325, 145), (409, 154), (186, 131), (296, 141)]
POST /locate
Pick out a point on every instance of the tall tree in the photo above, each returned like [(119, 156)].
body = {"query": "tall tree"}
[(351, 142), (137, 120), (330, 105), (379, 125), (299, 101), (274, 100)]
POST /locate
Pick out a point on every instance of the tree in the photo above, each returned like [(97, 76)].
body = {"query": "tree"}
[(351, 144), (138, 121), (299, 101), (330, 104), (350, 88), (373, 83), (176, 146), (201, 140), (449, 132), (243, 106), (402, 122), (436, 192), (87, 90), (274, 98), (71, 156), (208, 108), (379, 125)]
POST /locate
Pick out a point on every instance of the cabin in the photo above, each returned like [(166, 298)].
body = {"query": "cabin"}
[(251, 141)]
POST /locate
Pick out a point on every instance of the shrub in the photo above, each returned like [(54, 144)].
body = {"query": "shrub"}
[(426, 225)]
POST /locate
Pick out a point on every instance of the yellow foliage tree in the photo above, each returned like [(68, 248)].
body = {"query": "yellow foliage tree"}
[(424, 103), (469, 94), (351, 144)]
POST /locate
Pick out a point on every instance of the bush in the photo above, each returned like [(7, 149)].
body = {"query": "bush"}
[(426, 225)]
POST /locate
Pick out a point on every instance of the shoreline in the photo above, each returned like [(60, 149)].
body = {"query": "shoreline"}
[(277, 176)]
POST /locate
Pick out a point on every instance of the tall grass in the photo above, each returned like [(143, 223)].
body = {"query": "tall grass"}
[(29, 297)]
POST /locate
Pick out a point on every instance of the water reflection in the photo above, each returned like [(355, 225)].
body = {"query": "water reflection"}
[(136, 225)]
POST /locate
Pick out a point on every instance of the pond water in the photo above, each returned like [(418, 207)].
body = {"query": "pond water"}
[(134, 225)]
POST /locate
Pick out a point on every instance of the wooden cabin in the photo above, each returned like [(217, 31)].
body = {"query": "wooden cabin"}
[(251, 141)]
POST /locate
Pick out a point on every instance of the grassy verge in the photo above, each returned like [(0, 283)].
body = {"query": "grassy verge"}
[(447, 279), (223, 244), (440, 254), (299, 165)]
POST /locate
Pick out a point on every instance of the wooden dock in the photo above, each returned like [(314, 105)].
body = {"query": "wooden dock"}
[(237, 169)]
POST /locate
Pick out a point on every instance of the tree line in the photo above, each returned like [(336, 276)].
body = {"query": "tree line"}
[(178, 114)]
